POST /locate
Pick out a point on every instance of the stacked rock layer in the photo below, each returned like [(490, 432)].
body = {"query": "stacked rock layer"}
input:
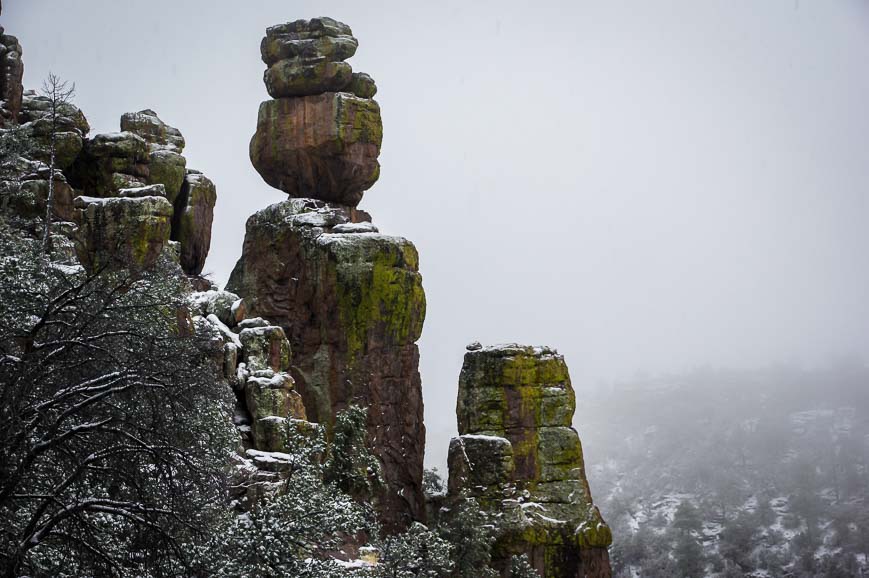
[(519, 456), (320, 136), (349, 299), (137, 196)]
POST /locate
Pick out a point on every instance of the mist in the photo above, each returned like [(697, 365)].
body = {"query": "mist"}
[(648, 187)]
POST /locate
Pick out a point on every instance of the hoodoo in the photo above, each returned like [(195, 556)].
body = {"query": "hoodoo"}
[(348, 297)]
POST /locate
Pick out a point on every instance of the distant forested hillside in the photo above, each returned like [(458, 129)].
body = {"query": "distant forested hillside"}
[(722, 473)]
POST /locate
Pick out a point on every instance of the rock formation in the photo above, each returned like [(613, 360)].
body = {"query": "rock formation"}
[(322, 310), (11, 75), (145, 159), (349, 298), (321, 136), (71, 128), (519, 456)]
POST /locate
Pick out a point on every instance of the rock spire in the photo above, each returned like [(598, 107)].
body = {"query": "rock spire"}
[(349, 299), (519, 456)]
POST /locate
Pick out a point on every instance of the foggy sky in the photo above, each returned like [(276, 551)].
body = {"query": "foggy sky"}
[(647, 186)]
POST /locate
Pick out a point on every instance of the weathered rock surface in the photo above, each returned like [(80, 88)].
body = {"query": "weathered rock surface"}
[(154, 131), (26, 197), (165, 144), (306, 76), (108, 162), (122, 231), (71, 128), (518, 454), (352, 306), (191, 225), (11, 75), (362, 85), (323, 147), (320, 139), (277, 46), (146, 154)]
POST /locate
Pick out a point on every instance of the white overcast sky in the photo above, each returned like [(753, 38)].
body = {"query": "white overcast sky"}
[(648, 186)]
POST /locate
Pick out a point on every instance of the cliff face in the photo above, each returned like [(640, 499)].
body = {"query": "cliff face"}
[(519, 456), (349, 298)]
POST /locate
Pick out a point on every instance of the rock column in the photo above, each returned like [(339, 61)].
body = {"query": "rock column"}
[(141, 170), (520, 457), (349, 298)]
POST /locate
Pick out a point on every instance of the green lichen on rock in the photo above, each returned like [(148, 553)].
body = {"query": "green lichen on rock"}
[(523, 396), (362, 85), (380, 294), (352, 305), (194, 215), (265, 348), (323, 146), (104, 155), (277, 47), (269, 393), (306, 76), (122, 231)]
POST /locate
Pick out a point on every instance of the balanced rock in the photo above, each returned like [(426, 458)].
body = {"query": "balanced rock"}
[(518, 454), (323, 147), (352, 306), (122, 231), (321, 138)]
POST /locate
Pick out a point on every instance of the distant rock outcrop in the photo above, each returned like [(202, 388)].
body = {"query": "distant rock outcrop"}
[(321, 137), (349, 298), (519, 456)]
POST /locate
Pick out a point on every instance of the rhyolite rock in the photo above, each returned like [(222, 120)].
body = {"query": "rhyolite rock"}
[(108, 162), (11, 75), (323, 146), (166, 165), (352, 306), (147, 154), (70, 127), (278, 46), (27, 198), (154, 131), (519, 456), (265, 347), (126, 232), (271, 394), (362, 85), (191, 224), (306, 76), (321, 137)]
